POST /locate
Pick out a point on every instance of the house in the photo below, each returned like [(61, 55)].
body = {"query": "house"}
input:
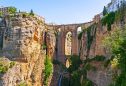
[(114, 5), (4, 10)]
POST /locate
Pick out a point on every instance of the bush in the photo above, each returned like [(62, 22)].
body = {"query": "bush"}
[(98, 58), (75, 63), (24, 15), (44, 46), (3, 69), (75, 79), (56, 62), (22, 84), (12, 10), (87, 82), (89, 67), (80, 35), (11, 64)]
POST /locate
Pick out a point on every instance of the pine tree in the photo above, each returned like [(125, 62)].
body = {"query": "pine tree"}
[(31, 13), (105, 11)]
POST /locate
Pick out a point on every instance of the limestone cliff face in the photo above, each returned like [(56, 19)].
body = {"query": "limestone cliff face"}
[(95, 34), (22, 43)]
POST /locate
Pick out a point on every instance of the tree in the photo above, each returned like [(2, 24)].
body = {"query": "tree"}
[(12, 10), (19, 11), (31, 13), (105, 11)]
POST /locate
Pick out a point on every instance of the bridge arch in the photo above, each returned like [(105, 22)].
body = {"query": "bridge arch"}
[(63, 31), (68, 43), (79, 29)]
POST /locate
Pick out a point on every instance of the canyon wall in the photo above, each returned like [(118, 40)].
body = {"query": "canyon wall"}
[(23, 38), (91, 45)]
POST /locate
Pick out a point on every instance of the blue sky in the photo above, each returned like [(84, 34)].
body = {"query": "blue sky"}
[(60, 11)]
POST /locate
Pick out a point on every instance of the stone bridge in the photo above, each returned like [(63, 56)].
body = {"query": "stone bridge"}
[(62, 31)]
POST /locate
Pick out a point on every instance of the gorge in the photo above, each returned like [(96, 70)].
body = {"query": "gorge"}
[(34, 53)]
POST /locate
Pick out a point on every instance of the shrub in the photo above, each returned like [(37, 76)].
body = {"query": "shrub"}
[(87, 82), (11, 64), (3, 69), (75, 78), (44, 46), (80, 35), (56, 62), (22, 84), (89, 67), (75, 63), (98, 58), (24, 15), (12, 10)]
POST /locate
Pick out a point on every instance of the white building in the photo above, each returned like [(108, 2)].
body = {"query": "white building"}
[(4, 10), (114, 5)]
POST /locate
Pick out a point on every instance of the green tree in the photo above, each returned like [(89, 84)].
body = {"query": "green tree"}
[(105, 11), (19, 11), (108, 20), (12, 10), (32, 13)]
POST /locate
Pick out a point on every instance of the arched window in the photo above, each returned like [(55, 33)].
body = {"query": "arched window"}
[(79, 30), (68, 44)]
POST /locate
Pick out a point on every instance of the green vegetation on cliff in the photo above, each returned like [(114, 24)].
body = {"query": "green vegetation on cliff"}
[(117, 16), (78, 75), (75, 63), (48, 70), (117, 44), (108, 20), (12, 10), (5, 65), (91, 34), (22, 84)]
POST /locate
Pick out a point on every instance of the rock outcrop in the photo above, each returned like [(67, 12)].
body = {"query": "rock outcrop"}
[(22, 43)]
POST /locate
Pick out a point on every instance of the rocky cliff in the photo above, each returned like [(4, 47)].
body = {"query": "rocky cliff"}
[(92, 45), (23, 38)]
